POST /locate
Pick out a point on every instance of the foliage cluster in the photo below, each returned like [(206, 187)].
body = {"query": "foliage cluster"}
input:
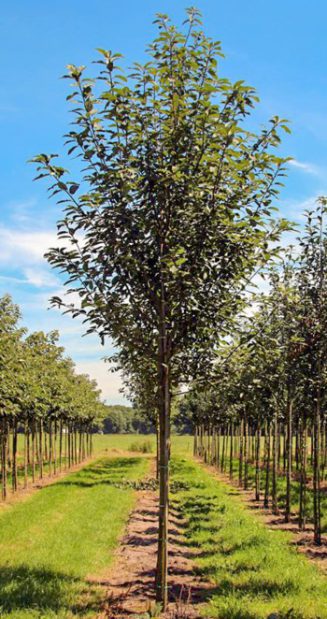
[(42, 396)]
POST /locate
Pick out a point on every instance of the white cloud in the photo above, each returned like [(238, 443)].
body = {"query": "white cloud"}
[(309, 168), (294, 209), (12, 280), (23, 247), (26, 275), (109, 383), (40, 277)]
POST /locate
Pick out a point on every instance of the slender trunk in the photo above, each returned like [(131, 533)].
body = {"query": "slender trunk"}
[(218, 447), (40, 449), (316, 468), (257, 464), (240, 467), (33, 450), (274, 502), (164, 445), (279, 448), (222, 463), (14, 457), (289, 416), (69, 444), (75, 446), (4, 459), (303, 480), (231, 454), (60, 445), (46, 451), (28, 445), (157, 447), (80, 445), (297, 447), (267, 465), (50, 448), (246, 456), (26, 448)]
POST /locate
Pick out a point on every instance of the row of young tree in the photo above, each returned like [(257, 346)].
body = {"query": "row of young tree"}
[(266, 405), (47, 410)]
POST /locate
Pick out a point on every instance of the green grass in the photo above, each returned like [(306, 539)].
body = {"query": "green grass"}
[(254, 570), (103, 442), (51, 543), (281, 490), (54, 541)]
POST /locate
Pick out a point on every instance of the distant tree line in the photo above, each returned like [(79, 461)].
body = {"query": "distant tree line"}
[(43, 398), (120, 419)]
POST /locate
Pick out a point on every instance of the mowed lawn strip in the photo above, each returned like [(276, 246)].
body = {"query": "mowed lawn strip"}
[(65, 532), (255, 571)]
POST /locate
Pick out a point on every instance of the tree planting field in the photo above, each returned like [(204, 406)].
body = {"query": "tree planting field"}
[(170, 250), (58, 542)]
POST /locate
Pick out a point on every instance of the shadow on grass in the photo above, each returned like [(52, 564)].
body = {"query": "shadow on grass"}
[(37, 589), (227, 561)]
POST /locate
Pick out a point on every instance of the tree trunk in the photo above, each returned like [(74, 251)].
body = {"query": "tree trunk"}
[(222, 463), (231, 454), (240, 467), (14, 457), (60, 445), (267, 465), (157, 447), (164, 452), (303, 475), (316, 469), (50, 449), (246, 456), (33, 450), (274, 502), (257, 464), (289, 415), (55, 448), (26, 449), (4, 459), (40, 449)]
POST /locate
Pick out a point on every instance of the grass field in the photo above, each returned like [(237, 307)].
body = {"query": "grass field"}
[(103, 442), (255, 572), (56, 543), (64, 533)]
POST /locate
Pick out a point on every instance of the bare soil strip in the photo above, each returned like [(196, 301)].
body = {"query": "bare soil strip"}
[(130, 581), (303, 540)]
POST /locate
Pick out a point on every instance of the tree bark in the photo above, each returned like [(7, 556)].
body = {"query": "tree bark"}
[(14, 456), (267, 465), (316, 468), (289, 415), (231, 451), (257, 463), (164, 450), (274, 501)]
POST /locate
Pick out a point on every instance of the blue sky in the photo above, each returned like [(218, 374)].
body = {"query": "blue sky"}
[(279, 47)]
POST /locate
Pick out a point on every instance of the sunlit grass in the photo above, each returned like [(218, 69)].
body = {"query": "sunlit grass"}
[(254, 570), (51, 543)]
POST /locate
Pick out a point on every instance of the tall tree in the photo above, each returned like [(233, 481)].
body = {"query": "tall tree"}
[(171, 214)]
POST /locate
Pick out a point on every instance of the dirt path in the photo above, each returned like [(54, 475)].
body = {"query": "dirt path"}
[(130, 582), (303, 540)]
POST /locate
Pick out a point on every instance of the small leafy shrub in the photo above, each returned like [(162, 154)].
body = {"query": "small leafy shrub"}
[(145, 447)]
